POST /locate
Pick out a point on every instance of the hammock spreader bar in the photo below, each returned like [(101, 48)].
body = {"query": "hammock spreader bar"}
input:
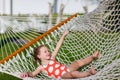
[(36, 39)]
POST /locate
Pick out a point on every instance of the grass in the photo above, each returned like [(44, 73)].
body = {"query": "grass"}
[(7, 44), (4, 76)]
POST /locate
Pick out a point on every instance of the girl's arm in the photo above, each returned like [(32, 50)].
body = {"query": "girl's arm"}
[(32, 74), (59, 44)]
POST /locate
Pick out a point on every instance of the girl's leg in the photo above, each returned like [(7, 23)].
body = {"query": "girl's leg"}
[(79, 63), (77, 74)]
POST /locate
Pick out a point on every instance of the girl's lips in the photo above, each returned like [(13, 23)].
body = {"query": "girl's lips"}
[(48, 55)]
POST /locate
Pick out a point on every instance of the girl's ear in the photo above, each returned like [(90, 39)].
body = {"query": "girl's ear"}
[(39, 56)]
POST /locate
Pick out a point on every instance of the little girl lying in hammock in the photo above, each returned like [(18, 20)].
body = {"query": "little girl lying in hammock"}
[(57, 70)]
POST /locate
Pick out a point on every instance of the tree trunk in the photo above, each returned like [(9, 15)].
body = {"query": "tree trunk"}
[(59, 18), (50, 15), (85, 9)]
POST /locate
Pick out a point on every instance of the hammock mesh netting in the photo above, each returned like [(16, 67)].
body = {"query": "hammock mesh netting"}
[(97, 30)]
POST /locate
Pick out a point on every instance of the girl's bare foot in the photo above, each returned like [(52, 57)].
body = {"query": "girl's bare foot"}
[(92, 70), (96, 54)]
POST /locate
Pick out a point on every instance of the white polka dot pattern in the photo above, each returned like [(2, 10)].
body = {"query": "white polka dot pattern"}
[(62, 67), (50, 69), (57, 65), (51, 62), (57, 72), (55, 69), (63, 72)]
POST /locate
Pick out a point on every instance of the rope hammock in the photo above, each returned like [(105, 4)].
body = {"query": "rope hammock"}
[(97, 30)]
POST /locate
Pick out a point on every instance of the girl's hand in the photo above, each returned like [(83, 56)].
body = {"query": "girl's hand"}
[(25, 74), (96, 54), (66, 32)]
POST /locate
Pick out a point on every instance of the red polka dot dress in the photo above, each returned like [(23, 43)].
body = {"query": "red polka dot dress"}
[(55, 69)]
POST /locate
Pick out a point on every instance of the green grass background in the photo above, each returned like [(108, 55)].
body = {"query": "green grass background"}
[(4, 76)]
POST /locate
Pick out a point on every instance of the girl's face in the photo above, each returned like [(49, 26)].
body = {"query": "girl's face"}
[(44, 54)]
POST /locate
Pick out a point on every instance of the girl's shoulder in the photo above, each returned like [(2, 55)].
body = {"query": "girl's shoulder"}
[(51, 58), (40, 66), (39, 69)]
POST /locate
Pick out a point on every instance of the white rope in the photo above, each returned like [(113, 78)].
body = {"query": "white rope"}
[(98, 30)]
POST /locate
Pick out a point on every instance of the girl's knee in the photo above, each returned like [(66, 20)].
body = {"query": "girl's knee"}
[(75, 74), (70, 75)]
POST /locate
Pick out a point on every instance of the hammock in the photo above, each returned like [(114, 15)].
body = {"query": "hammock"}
[(97, 30)]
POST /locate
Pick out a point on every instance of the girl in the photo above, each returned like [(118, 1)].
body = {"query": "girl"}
[(57, 70)]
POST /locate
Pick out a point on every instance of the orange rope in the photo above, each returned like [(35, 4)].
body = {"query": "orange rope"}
[(36, 39)]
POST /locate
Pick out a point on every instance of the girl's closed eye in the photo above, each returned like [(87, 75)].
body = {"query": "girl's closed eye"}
[(46, 51)]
